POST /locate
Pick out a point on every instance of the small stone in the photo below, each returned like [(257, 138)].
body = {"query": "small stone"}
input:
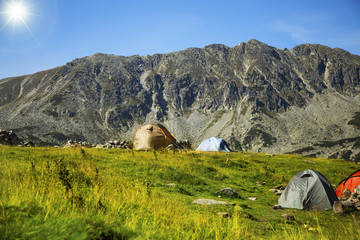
[(273, 190), (338, 207), (279, 192), (171, 184), (277, 206), (260, 183), (223, 214), (280, 187), (288, 217), (253, 198)]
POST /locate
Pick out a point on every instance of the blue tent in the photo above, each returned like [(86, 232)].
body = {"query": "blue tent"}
[(214, 144)]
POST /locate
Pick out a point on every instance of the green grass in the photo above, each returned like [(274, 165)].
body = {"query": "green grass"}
[(55, 193)]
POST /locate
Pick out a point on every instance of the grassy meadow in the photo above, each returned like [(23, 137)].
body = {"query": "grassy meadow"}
[(75, 193)]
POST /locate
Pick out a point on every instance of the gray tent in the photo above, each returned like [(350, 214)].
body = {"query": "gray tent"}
[(308, 190)]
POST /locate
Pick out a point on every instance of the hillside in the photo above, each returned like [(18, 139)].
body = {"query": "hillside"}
[(75, 193), (257, 97)]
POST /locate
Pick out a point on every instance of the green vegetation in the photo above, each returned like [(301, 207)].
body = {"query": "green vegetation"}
[(339, 142), (56, 99), (355, 120), (51, 113), (56, 193), (255, 132)]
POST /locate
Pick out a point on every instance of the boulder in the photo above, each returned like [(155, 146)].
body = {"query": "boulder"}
[(227, 192)]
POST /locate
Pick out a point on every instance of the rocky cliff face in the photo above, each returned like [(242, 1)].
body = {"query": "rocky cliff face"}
[(257, 97)]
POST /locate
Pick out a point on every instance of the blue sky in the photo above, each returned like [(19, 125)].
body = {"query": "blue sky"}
[(58, 31)]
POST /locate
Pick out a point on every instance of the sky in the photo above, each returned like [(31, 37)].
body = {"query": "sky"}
[(50, 33)]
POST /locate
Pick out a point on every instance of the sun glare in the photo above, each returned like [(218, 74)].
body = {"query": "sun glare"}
[(16, 12)]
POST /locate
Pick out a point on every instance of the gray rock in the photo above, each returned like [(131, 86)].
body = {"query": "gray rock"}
[(227, 192), (211, 202)]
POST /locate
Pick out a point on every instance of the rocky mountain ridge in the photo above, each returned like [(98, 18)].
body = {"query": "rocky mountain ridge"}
[(257, 97)]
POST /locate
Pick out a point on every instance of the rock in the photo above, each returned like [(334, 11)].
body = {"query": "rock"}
[(277, 206), (29, 144), (185, 144), (253, 198), (279, 192), (347, 204), (273, 190), (288, 217), (338, 207), (227, 192), (211, 202), (72, 144), (357, 190), (260, 183), (347, 193), (223, 214), (8, 138)]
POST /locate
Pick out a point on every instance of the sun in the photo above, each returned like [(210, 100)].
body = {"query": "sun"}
[(16, 12)]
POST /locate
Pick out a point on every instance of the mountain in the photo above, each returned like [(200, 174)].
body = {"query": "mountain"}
[(259, 98)]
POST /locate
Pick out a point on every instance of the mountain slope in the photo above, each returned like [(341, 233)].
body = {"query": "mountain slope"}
[(257, 97)]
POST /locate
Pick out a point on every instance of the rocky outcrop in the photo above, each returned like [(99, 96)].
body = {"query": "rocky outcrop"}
[(8, 138), (256, 97)]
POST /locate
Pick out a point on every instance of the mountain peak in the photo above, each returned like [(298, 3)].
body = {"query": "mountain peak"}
[(257, 97)]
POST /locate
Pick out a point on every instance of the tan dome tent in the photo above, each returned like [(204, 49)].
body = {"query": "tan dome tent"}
[(152, 136)]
